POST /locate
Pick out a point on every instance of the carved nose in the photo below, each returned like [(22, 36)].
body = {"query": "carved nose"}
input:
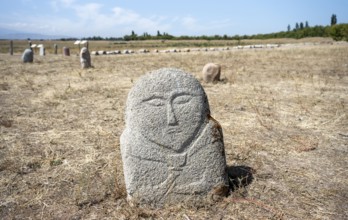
[(171, 119)]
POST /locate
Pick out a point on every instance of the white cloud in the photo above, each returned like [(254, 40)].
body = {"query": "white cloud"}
[(73, 18), (124, 16), (189, 22), (58, 5), (134, 21), (117, 21), (88, 11), (96, 19), (193, 26)]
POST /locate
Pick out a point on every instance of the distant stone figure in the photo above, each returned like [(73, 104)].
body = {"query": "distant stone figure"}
[(11, 48), (172, 149), (211, 72), (55, 46), (85, 58), (42, 51), (66, 51), (28, 56)]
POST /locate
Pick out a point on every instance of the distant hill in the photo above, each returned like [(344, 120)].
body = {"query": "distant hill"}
[(7, 34)]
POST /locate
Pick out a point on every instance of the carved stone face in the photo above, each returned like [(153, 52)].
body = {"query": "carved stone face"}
[(167, 108)]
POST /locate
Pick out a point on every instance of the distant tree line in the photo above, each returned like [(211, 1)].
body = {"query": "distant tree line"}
[(301, 30), (146, 36)]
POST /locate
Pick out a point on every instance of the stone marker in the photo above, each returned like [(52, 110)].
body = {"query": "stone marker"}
[(55, 48), (211, 72), (172, 149), (28, 56), (42, 51), (11, 47), (85, 58), (66, 51), (102, 52)]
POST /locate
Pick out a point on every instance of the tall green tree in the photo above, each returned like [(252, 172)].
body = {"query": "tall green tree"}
[(134, 36), (297, 26), (306, 25), (333, 19), (289, 28), (301, 25)]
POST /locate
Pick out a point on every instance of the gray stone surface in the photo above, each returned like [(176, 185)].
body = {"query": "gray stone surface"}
[(66, 51), (211, 72), (42, 51), (85, 58), (28, 56), (55, 46), (172, 149), (101, 52), (11, 47)]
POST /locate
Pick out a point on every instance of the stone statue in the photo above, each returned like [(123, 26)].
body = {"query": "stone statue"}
[(85, 58), (172, 149)]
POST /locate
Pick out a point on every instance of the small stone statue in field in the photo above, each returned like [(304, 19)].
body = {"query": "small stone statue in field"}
[(85, 58), (211, 72), (28, 56)]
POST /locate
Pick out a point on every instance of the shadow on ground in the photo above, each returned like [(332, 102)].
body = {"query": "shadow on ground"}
[(239, 176)]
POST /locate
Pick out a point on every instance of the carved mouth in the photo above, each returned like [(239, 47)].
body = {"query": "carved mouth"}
[(171, 130)]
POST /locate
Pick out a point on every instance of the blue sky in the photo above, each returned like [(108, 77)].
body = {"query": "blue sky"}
[(115, 18)]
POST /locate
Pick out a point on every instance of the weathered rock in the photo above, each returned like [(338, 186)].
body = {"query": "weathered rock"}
[(211, 72), (11, 48), (85, 58), (172, 149), (55, 46), (143, 51), (66, 51), (28, 56), (42, 51)]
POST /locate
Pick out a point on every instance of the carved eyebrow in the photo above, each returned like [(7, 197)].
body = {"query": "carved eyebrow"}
[(182, 99), (182, 93), (155, 100), (153, 97)]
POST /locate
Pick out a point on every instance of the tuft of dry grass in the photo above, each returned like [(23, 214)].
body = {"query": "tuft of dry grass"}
[(283, 113)]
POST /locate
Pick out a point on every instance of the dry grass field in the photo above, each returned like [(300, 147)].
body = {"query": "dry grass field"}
[(284, 114), (20, 45)]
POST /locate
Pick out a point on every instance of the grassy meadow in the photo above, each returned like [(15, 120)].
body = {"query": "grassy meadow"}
[(20, 45), (283, 111)]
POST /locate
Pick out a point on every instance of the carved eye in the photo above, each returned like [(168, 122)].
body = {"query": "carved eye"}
[(183, 99), (155, 101)]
